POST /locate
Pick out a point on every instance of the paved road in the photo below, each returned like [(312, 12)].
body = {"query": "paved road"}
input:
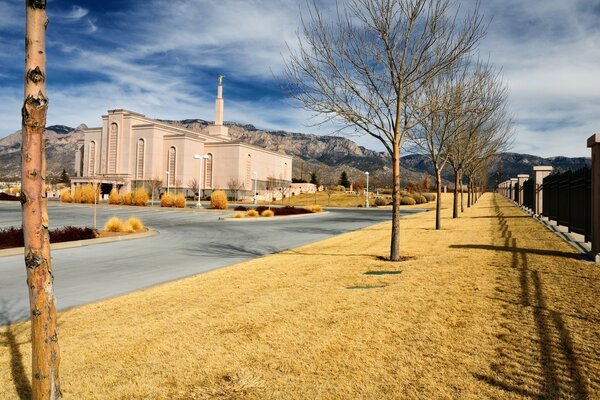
[(190, 242)]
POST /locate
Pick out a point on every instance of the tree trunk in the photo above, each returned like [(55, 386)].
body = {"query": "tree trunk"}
[(438, 200), (455, 201), (44, 340), (462, 189), (469, 195), (395, 242)]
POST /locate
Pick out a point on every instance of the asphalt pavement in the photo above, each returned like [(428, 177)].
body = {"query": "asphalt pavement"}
[(190, 242)]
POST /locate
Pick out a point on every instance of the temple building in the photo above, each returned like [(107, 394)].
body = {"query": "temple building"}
[(130, 150)]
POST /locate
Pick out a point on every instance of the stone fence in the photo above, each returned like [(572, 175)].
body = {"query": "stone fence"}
[(570, 199)]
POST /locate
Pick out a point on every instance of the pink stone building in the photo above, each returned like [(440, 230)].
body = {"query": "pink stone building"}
[(129, 150)]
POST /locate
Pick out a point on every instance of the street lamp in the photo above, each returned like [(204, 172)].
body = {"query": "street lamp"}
[(168, 182), (200, 157), (367, 198), (255, 179)]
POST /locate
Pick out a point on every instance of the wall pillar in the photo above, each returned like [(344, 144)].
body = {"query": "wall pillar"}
[(521, 178), (540, 173), (594, 143), (513, 187)]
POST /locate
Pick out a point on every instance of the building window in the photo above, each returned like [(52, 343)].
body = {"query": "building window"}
[(285, 172), (140, 160), (113, 137), (171, 165), (92, 160), (248, 172), (81, 165), (208, 175)]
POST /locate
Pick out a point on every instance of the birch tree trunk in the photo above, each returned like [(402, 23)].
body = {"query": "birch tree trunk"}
[(44, 340)]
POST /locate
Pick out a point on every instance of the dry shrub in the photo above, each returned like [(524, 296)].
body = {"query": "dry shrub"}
[(127, 199), (114, 197), (114, 225), (238, 215), (15, 190), (408, 201), (267, 213), (127, 228), (135, 224), (218, 200), (380, 202), (429, 196), (167, 200), (314, 208), (85, 194), (252, 213), (180, 200), (65, 196), (140, 197)]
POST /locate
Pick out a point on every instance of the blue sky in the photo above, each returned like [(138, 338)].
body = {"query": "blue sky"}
[(162, 58)]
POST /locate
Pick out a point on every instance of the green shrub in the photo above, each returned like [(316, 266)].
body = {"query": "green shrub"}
[(429, 196), (180, 200), (218, 200), (420, 199), (167, 200), (408, 201), (380, 202)]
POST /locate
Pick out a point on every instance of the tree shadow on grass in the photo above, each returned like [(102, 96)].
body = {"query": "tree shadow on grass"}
[(536, 356), (9, 334)]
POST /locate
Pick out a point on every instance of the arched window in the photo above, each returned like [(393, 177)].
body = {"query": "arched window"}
[(81, 165), (208, 175), (139, 174), (92, 159), (171, 165), (285, 170), (248, 182), (113, 137)]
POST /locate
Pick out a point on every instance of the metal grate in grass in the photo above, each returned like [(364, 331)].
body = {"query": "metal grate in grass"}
[(382, 273), (366, 287)]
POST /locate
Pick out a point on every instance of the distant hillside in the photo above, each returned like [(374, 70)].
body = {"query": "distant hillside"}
[(328, 156)]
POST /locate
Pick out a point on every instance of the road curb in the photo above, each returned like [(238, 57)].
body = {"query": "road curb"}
[(81, 243)]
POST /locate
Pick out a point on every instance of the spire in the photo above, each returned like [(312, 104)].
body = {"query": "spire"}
[(219, 103)]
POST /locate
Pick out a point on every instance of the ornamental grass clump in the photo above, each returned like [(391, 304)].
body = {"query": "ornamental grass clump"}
[(315, 208), (114, 197), (252, 213), (114, 225), (140, 197), (267, 213), (238, 215), (218, 200), (380, 202), (180, 200), (127, 199), (167, 200), (85, 194), (135, 223), (65, 196), (408, 201), (127, 228)]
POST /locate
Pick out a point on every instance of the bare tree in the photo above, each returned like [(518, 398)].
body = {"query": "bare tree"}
[(155, 185), (235, 184), (193, 186), (42, 302), (364, 68)]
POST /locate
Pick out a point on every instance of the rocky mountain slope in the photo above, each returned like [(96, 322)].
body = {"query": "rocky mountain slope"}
[(328, 156)]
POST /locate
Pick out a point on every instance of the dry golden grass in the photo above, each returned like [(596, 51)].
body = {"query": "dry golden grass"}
[(65, 196), (180, 201), (218, 200), (492, 306), (167, 200), (114, 197)]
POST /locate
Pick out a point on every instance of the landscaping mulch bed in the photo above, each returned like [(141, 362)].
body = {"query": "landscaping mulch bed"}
[(278, 211), (13, 237), (8, 197)]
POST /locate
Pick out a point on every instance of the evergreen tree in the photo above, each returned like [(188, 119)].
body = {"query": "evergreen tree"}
[(313, 178), (64, 177), (344, 181)]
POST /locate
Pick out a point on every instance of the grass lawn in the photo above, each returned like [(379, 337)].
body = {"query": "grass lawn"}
[(492, 306)]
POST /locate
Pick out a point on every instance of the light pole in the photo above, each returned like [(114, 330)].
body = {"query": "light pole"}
[(367, 198), (200, 157), (168, 182), (255, 179), (94, 187)]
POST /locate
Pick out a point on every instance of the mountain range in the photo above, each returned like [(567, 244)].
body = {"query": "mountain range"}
[(327, 156)]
